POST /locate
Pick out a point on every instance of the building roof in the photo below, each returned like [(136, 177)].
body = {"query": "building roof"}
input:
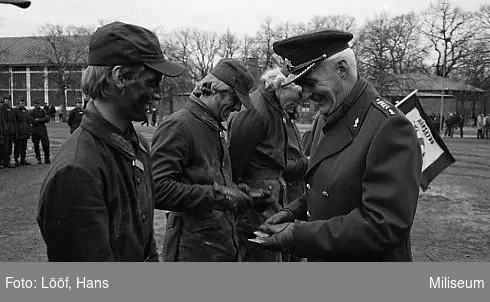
[(25, 51), (431, 84)]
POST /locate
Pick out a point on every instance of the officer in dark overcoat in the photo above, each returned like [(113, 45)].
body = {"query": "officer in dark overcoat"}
[(9, 131), (364, 171), (39, 118), (24, 129)]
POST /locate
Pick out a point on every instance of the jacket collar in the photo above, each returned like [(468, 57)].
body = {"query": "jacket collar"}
[(340, 134), (93, 122), (199, 110), (272, 100)]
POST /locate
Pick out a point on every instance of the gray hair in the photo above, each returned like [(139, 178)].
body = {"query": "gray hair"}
[(95, 79), (273, 78), (348, 56)]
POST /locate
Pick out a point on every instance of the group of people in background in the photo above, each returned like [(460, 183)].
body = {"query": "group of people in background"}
[(151, 113), (483, 126), (17, 125)]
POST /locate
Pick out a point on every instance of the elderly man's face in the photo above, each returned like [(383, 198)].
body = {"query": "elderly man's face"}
[(324, 86), (229, 103), (289, 96)]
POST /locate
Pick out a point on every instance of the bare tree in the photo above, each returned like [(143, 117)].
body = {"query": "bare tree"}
[(340, 22), (230, 45), (262, 46), (388, 47), (449, 31), (206, 46), (65, 49)]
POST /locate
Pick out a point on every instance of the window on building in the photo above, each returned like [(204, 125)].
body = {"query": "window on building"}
[(5, 80), (37, 95), (37, 80), (20, 81), (55, 97), (37, 68)]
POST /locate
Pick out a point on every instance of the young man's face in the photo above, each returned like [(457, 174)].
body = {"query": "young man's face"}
[(138, 94), (79, 104), (22, 104)]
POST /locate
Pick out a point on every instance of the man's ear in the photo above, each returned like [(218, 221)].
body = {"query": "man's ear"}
[(343, 69), (117, 77)]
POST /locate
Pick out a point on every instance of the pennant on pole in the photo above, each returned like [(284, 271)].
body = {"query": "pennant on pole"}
[(436, 155)]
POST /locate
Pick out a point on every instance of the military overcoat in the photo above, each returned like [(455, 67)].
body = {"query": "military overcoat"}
[(362, 185)]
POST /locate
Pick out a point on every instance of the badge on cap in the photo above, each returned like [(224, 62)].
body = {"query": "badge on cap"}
[(356, 122)]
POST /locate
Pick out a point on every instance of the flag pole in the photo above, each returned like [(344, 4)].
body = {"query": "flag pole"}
[(406, 98)]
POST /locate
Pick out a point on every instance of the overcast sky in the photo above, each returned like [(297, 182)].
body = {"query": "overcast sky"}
[(216, 15)]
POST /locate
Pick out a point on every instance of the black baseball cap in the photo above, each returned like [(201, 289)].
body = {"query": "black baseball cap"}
[(120, 43), (236, 75), (302, 52)]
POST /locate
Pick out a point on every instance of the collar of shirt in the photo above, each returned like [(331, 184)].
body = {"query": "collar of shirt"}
[(125, 141), (202, 112)]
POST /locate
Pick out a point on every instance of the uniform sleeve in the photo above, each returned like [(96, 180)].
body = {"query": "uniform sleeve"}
[(298, 208), (245, 130), (390, 193), (74, 221), (170, 152)]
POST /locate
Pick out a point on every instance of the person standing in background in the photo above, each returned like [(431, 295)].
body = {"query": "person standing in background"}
[(24, 129), (9, 131), (39, 118)]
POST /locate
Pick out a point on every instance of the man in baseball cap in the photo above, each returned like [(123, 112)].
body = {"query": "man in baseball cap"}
[(98, 198), (192, 169)]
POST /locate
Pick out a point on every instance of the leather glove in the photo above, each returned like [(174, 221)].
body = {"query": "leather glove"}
[(261, 199), (281, 239), (284, 215), (245, 188), (233, 197)]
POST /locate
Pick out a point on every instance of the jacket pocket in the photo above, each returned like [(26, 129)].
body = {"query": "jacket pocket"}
[(207, 221)]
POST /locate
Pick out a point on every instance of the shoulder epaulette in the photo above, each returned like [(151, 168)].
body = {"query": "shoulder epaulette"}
[(386, 107)]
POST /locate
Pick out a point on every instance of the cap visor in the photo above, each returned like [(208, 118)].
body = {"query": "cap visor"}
[(294, 77), (168, 68), (245, 99)]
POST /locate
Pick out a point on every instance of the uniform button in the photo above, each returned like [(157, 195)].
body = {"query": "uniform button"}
[(143, 217), (308, 214), (138, 180), (308, 186), (325, 193)]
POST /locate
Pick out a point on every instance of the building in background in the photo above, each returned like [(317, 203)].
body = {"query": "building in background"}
[(49, 70)]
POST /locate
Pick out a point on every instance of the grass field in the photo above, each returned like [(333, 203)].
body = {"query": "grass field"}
[(452, 221)]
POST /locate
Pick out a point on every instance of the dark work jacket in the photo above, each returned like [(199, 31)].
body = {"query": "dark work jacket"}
[(297, 163), (97, 199), (9, 120), (257, 144), (75, 118), (23, 119), (362, 185), (189, 154), (39, 125)]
